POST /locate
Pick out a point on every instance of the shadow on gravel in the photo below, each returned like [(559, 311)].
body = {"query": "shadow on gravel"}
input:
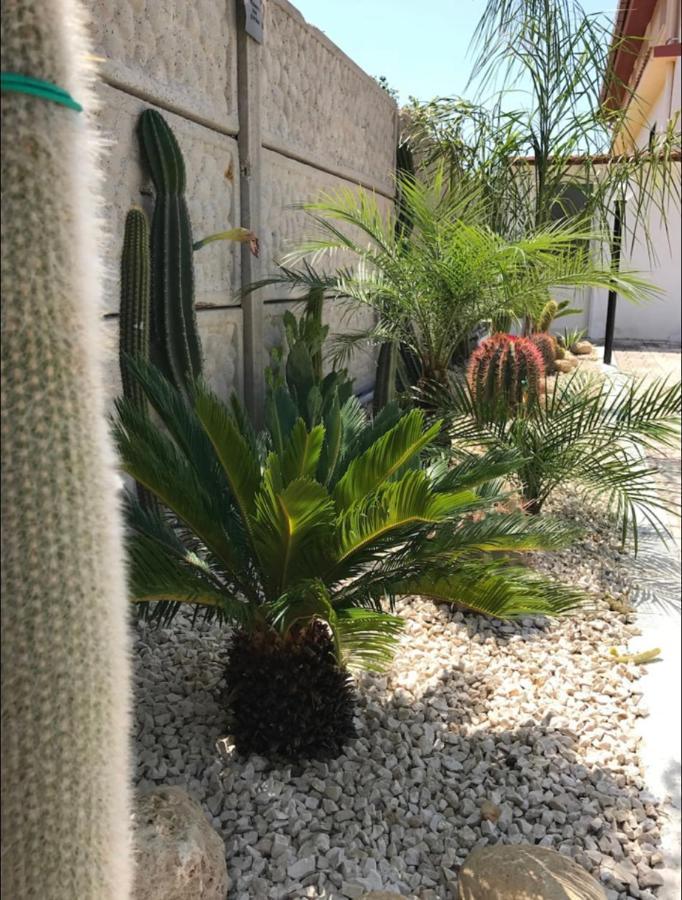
[(655, 575), (423, 784), (524, 785)]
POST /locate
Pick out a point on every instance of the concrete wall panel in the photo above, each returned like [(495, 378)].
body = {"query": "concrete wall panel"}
[(319, 106), (177, 53), (220, 332), (324, 123), (212, 167)]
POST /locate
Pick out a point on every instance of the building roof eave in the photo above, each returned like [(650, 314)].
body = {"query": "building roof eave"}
[(632, 20)]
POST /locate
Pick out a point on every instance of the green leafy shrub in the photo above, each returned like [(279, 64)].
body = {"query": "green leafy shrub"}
[(327, 523)]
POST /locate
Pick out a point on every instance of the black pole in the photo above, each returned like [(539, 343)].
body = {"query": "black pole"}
[(615, 263)]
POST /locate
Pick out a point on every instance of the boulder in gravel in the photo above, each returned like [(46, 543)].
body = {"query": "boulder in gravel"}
[(178, 855), (582, 348), (565, 365), (524, 872)]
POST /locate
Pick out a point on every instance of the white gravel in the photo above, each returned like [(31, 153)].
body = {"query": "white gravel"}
[(481, 732)]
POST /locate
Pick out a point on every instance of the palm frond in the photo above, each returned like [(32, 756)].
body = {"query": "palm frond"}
[(292, 530), (153, 460), (232, 449), (367, 639), (591, 431), (501, 591), (386, 458)]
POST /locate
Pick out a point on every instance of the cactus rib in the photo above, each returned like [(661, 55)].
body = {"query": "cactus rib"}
[(174, 334)]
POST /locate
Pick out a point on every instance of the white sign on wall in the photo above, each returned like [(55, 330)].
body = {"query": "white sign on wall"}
[(254, 19)]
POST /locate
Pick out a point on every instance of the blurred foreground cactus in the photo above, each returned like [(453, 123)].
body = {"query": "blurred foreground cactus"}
[(505, 369), (65, 670)]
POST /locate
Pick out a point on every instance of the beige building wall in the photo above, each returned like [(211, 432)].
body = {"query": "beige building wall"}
[(656, 82), (325, 124)]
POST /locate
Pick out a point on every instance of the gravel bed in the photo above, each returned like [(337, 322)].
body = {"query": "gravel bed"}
[(480, 732)]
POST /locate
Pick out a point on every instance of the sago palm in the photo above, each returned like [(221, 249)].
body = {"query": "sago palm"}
[(586, 431), (304, 548)]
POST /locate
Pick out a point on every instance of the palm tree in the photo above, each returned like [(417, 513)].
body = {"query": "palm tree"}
[(538, 136), (301, 540), (433, 285), (589, 432)]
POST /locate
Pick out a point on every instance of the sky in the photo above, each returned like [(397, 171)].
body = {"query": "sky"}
[(420, 46)]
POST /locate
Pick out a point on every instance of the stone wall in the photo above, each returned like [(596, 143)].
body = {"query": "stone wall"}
[(320, 122)]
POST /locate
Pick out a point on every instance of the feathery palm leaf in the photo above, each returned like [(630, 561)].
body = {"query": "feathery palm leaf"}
[(433, 288), (593, 432)]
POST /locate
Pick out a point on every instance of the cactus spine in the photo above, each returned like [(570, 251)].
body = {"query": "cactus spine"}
[(506, 369), (65, 671), (175, 346), (548, 347), (134, 314)]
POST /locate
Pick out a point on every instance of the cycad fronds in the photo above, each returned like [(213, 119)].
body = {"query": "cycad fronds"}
[(268, 544)]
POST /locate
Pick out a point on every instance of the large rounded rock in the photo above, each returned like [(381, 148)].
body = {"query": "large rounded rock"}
[(524, 872), (564, 366), (178, 855)]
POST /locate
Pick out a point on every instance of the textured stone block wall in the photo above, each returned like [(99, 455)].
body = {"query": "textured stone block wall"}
[(325, 124)]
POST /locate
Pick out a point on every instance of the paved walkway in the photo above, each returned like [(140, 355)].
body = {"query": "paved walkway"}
[(658, 603)]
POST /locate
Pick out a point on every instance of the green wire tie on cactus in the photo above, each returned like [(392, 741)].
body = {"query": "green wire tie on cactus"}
[(25, 84)]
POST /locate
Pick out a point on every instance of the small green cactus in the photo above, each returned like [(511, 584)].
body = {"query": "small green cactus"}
[(549, 313), (386, 374), (298, 388), (134, 315), (553, 310)]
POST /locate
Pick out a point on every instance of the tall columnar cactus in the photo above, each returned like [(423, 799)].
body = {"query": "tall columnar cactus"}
[(65, 674), (506, 369), (134, 313), (175, 346), (548, 347)]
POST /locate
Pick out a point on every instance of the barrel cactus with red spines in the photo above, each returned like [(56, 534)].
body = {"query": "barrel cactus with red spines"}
[(506, 369), (547, 345)]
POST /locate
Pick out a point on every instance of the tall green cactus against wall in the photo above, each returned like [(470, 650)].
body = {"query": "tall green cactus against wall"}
[(65, 679), (175, 345), (134, 312)]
